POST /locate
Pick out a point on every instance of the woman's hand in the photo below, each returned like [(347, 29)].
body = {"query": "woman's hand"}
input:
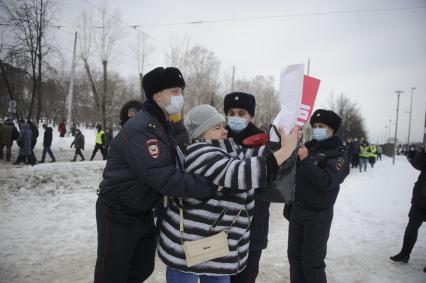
[(289, 141), (288, 145), (302, 152)]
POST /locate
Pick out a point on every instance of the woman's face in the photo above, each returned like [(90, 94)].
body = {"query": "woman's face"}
[(327, 128), (239, 112), (218, 132)]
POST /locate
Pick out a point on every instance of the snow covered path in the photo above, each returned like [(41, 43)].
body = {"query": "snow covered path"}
[(48, 228)]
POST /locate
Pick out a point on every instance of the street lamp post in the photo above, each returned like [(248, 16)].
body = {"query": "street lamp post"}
[(389, 128), (409, 120), (398, 92), (386, 135)]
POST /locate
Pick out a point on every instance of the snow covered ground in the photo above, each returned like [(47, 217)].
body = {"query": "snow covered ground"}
[(48, 227)]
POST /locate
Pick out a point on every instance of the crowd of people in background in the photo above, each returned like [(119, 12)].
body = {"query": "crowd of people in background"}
[(26, 134), (360, 153)]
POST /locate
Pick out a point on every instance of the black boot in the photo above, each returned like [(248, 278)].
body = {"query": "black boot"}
[(400, 258), (19, 159), (73, 160)]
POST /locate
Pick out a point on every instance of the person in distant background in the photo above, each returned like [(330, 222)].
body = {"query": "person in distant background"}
[(364, 155), (24, 143), (79, 145), (379, 152), (62, 129), (417, 214), (100, 143), (73, 129), (8, 134), (47, 142), (109, 135)]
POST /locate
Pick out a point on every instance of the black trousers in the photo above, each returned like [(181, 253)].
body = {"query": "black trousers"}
[(78, 152), (249, 274), (126, 246), (355, 161), (307, 244), (8, 151), (410, 235), (98, 147)]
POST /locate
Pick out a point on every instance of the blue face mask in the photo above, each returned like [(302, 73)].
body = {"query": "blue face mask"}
[(320, 134), (237, 124)]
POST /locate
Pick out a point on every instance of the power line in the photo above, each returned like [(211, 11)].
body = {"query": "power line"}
[(127, 24), (284, 16)]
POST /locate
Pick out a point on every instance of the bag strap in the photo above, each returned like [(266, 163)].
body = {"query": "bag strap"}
[(222, 214)]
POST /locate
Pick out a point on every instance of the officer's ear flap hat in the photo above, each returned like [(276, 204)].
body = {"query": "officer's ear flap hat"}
[(200, 119), (327, 117), (161, 78), (240, 100)]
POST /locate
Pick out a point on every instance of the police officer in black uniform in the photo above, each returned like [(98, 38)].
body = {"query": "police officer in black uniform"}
[(239, 108), (320, 171), (141, 168)]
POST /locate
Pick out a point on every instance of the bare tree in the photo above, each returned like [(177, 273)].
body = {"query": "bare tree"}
[(267, 106), (200, 68), (352, 121), (86, 44), (178, 51), (103, 37), (28, 20), (142, 52)]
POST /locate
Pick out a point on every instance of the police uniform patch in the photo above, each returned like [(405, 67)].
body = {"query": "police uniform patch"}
[(153, 147), (339, 163)]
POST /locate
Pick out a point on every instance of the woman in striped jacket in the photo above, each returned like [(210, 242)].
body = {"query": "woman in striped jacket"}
[(237, 172)]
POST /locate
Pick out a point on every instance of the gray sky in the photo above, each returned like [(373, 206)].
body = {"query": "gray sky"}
[(366, 55)]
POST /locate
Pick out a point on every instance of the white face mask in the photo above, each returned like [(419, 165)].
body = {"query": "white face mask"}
[(175, 106), (237, 124), (320, 134)]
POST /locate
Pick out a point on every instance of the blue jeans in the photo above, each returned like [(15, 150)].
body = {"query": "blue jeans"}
[(363, 161), (177, 276), (46, 149)]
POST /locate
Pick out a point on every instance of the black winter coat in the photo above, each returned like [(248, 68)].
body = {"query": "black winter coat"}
[(8, 133), (141, 165), (47, 139), (78, 141), (418, 160), (260, 224), (319, 175)]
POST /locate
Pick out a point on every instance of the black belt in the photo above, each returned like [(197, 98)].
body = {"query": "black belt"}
[(307, 207), (128, 211)]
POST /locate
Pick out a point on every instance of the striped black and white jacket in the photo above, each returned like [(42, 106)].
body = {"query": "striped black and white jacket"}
[(240, 171)]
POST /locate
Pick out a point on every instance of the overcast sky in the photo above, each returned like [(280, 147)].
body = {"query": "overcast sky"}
[(365, 49)]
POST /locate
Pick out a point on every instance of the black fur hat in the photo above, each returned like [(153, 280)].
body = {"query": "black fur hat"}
[(162, 78), (327, 117), (239, 100), (124, 112)]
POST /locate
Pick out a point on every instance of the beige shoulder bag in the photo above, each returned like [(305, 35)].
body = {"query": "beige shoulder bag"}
[(208, 248)]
